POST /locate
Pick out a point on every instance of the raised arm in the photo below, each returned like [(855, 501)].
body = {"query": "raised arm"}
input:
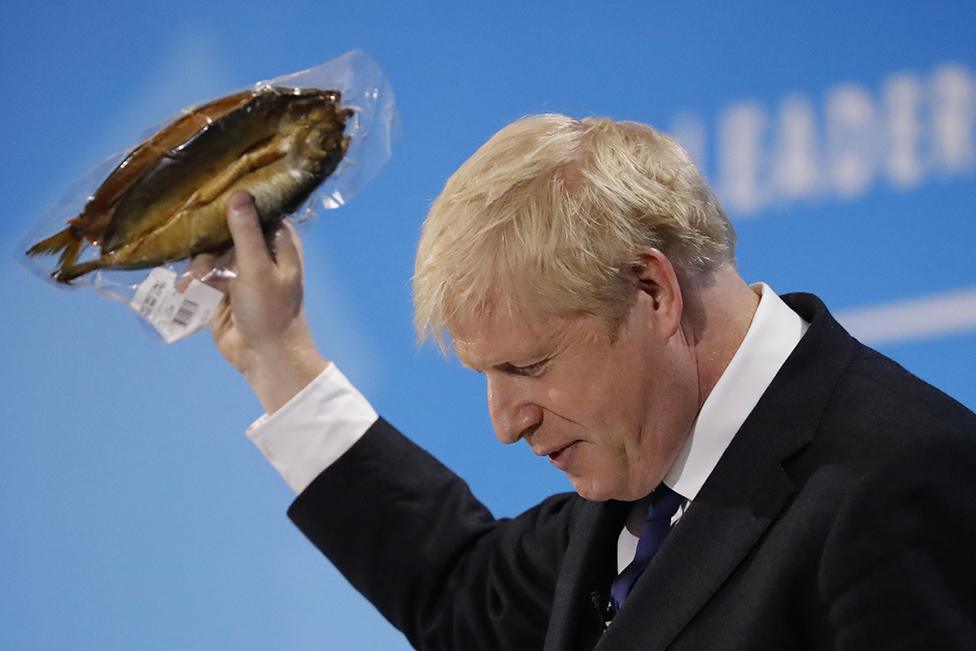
[(261, 327), (402, 528)]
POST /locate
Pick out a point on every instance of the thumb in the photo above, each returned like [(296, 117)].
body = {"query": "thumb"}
[(288, 248), (253, 258)]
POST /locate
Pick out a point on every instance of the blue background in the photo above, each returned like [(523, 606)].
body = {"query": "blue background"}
[(135, 514)]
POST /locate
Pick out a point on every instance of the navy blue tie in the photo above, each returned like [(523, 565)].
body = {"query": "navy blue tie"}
[(664, 504)]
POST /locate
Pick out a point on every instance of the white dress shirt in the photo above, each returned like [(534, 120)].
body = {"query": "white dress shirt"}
[(773, 334), (326, 418), (313, 429)]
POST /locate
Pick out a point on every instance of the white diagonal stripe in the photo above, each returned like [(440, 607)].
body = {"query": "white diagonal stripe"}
[(912, 319)]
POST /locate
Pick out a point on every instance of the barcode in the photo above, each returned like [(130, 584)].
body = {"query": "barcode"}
[(183, 315), (152, 297)]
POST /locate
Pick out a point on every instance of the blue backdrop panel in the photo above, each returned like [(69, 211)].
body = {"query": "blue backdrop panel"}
[(137, 515)]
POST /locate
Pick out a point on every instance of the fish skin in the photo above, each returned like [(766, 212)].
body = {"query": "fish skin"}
[(166, 187), (204, 229), (90, 224), (97, 212)]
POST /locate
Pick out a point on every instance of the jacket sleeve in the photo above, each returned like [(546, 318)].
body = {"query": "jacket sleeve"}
[(898, 568), (409, 535)]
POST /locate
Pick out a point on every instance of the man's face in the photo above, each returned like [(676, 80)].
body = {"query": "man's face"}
[(612, 415)]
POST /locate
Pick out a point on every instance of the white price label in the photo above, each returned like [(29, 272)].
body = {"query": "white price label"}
[(174, 314)]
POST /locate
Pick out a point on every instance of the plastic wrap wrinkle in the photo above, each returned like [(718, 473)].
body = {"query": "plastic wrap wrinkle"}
[(299, 143)]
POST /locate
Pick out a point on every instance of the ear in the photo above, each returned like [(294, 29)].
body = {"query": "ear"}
[(659, 287)]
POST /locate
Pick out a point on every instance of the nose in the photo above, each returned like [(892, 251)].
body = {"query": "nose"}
[(513, 412)]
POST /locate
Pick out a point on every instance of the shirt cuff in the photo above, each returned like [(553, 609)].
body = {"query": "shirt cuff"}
[(313, 429)]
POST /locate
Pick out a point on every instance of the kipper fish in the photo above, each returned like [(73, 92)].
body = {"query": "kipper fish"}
[(167, 200)]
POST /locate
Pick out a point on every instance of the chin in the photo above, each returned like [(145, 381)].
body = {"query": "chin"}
[(592, 491)]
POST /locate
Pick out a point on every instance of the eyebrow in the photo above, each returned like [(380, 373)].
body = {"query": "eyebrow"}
[(508, 366), (540, 354)]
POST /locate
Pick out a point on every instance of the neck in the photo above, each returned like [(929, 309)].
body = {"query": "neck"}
[(717, 319)]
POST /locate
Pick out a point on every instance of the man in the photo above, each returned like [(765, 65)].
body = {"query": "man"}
[(819, 496)]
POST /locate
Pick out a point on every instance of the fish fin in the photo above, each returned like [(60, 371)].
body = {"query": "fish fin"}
[(68, 242), (67, 273), (243, 166), (62, 241)]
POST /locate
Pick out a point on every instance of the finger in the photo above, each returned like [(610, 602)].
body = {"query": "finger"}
[(293, 230), (220, 314), (219, 317), (221, 320), (226, 312), (223, 274), (183, 282), (226, 261), (288, 249), (253, 258), (219, 281), (200, 267)]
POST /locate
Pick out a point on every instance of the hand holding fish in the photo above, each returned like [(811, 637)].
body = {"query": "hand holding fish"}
[(260, 326)]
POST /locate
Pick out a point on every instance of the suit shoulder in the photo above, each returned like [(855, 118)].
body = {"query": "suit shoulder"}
[(875, 393), (879, 418)]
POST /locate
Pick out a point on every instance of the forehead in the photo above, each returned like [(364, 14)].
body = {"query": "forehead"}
[(521, 336), (488, 338)]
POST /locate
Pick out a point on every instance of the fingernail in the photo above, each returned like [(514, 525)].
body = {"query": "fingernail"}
[(239, 200)]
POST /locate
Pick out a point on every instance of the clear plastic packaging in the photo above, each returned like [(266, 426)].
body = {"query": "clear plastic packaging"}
[(129, 228)]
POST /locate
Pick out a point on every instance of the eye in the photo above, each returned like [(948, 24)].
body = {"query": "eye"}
[(528, 371)]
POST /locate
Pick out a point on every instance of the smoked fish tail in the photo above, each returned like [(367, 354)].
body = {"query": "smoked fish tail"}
[(68, 242), (61, 241), (68, 272)]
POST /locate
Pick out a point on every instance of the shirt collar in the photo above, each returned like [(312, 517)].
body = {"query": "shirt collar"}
[(773, 334)]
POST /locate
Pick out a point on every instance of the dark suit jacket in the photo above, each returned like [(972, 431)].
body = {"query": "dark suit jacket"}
[(842, 516)]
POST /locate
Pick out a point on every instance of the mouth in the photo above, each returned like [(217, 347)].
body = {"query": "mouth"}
[(561, 457)]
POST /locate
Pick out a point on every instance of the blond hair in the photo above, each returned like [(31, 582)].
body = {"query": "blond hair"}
[(551, 211)]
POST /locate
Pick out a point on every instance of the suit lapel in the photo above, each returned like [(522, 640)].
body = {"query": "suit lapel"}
[(588, 567), (703, 549), (742, 496)]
